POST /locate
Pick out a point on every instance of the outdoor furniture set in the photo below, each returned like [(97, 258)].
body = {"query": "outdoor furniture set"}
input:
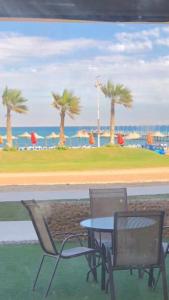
[(118, 239)]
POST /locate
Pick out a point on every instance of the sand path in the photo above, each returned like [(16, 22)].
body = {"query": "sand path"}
[(87, 177)]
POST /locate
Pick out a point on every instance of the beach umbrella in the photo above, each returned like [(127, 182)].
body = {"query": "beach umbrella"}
[(158, 134), (53, 135), (4, 137), (25, 135), (82, 134), (133, 136), (106, 133), (1, 140), (91, 139), (120, 139), (149, 138), (38, 137)]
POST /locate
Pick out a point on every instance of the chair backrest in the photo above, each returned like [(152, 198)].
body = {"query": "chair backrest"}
[(105, 201), (137, 238), (40, 226)]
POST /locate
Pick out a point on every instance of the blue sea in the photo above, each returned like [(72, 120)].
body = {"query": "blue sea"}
[(74, 141)]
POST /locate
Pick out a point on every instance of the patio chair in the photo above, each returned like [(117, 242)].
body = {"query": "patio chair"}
[(49, 246), (104, 202), (137, 244), (166, 251)]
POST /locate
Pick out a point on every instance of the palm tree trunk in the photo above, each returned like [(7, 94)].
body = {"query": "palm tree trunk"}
[(62, 125), (8, 128), (112, 122)]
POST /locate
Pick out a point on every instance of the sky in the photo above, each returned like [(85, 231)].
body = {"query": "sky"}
[(41, 58)]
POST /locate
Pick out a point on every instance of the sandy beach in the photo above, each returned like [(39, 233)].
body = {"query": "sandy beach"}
[(145, 175)]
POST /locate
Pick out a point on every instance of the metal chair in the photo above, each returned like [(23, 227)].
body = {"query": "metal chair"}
[(137, 244), (49, 247), (104, 202), (166, 252)]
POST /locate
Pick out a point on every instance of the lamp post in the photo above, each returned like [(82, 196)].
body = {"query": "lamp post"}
[(98, 85)]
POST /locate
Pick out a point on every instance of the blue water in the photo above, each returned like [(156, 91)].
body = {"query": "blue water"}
[(71, 131)]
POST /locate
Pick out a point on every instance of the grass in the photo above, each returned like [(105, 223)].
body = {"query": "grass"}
[(80, 159), (19, 265), (13, 211)]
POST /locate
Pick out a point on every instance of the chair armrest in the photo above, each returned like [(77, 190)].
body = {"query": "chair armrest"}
[(61, 233), (71, 236)]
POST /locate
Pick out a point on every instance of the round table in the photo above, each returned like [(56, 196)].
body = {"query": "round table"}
[(106, 224)]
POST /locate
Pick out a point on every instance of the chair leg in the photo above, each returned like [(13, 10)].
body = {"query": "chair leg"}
[(56, 265), (92, 270), (112, 287), (164, 279), (159, 272), (151, 280), (111, 279), (37, 275), (103, 268), (157, 279)]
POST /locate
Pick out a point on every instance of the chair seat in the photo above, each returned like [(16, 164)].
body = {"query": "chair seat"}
[(78, 251)]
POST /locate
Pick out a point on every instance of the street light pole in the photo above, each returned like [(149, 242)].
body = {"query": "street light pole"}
[(98, 85)]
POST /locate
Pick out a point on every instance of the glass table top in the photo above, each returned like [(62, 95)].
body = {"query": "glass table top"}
[(107, 223)]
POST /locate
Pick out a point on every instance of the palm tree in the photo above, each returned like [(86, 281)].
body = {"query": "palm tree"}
[(14, 101), (118, 94), (68, 104)]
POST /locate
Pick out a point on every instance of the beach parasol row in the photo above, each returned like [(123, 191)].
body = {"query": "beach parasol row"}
[(150, 137)]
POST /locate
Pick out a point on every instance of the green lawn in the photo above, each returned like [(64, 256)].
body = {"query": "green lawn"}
[(80, 159), (18, 267)]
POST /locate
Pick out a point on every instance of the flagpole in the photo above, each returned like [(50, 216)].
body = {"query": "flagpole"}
[(98, 85)]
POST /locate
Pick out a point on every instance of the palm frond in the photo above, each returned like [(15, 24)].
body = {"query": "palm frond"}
[(13, 99), (67, 103), (20, 109), (118, 93)]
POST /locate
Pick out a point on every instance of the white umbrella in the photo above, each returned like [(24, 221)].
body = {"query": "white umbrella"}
[(38, 137), (106, 133), (4, 137), (133, 136), (53, 135), (26, 135), (158, 134), (81, 134)]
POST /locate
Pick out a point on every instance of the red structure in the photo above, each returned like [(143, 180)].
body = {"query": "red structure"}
[(91, 139), (33, 138), (120, 139), (149, 138)]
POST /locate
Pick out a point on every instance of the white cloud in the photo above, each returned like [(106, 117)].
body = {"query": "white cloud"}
[(142, 34), (163, 42), (165, 29), (14, 47), (131, 47)]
